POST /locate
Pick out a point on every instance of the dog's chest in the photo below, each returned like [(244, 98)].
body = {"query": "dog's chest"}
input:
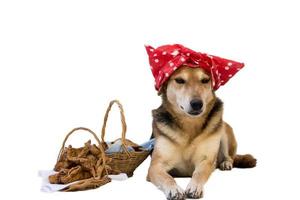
[(183, 151), (180, 146), (193, 150)]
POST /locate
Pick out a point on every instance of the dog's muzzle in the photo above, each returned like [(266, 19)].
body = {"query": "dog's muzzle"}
[(196, 107)]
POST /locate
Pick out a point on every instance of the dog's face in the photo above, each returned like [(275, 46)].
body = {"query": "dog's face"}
[(189, 90)]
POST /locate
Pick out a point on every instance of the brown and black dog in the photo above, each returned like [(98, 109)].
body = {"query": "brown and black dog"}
[(191, 137)]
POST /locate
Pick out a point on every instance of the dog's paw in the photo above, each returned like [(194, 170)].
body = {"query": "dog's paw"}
[(175, 193), (194, 191), (225, 165)]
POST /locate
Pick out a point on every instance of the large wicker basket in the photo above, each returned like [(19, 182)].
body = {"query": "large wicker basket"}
[(124, 161)]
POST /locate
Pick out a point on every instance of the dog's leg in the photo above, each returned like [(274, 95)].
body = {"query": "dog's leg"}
[(227, 149), (201, 174), (158, 175), (224, 160)]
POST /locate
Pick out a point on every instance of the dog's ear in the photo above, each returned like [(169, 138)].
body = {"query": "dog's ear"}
[(162, 90)]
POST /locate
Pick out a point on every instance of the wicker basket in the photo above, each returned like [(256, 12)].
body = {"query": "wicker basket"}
[(99, 172), (124, 161), (62, 152)]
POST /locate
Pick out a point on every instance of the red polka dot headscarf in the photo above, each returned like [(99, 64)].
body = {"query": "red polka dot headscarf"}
[(164, 60)]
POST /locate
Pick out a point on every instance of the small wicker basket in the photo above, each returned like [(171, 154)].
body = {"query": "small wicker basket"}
[(125, 161), (62, 153), (96, 176)]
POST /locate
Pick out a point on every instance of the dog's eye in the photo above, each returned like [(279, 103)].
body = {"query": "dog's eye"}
[(179, 80), (205, 80)]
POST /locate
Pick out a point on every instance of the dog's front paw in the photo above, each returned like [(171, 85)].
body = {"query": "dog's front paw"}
[(194, 191), (175, 193), (226, 165)]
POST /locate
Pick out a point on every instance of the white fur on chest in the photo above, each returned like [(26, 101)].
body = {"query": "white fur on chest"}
[(180, 152)]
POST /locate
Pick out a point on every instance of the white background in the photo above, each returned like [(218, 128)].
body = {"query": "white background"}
[(61, 62)]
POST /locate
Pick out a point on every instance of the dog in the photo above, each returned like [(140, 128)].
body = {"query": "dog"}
[(192, 140)]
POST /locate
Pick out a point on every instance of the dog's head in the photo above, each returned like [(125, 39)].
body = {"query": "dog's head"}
[(189, 91)]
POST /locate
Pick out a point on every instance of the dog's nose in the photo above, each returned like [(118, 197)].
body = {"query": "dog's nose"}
[(196, 104)]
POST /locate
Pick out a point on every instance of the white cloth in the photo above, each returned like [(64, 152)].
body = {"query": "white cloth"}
[(112, 148), (48, 187)]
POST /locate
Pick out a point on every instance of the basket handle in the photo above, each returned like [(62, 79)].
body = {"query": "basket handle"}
[(123, 122), (95, 136)]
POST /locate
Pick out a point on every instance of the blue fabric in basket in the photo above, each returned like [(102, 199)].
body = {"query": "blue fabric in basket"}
[(149, 145), (116, 147)]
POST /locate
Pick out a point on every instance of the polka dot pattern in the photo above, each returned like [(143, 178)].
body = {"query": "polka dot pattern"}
[(166, 59)]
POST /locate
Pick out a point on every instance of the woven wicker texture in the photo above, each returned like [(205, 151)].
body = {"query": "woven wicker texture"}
[(124, 161)]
